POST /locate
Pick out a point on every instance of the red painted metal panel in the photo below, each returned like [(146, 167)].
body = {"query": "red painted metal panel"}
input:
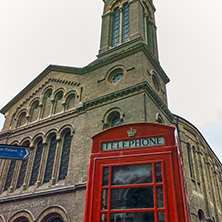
[(120, 152)]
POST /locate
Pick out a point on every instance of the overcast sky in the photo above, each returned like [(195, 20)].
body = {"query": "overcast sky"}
[(35, 34)]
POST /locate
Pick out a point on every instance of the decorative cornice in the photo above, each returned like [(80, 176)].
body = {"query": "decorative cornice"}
[(46, 192), (59, 80), (38, 123), (129, 48), (192, 129), (124, 92)]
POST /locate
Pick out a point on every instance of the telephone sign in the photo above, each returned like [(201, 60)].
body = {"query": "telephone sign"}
[(135, 175)]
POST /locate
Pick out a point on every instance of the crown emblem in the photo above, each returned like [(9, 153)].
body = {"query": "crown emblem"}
[(132, 132)]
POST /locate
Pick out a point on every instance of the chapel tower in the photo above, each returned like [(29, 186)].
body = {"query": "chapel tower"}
[(125, 20), (128, 37)]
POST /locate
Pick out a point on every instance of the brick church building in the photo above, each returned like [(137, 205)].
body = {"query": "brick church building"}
[(60, 111)]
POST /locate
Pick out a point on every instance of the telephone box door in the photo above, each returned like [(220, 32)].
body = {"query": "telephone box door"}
[(134, 188)]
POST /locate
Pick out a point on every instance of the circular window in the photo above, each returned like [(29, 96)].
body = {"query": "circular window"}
[(115, 75)]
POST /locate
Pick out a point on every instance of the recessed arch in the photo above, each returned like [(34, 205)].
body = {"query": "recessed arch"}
[(46, 102), (60, 89), (21, 118), (34, 109), (25, 140), (22, 216), (116, 3), (64, 129), (113, 117), (50, 133), (33, 101), (70, 92), (37, 138), (155, 80), (52, 212), (15, 142), (51, 87), (70, 99), (2, 218), (58, 98), (201, 215), (147, 9), (159, 118)]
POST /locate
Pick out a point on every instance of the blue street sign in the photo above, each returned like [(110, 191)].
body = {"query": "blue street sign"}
[(14, 152)]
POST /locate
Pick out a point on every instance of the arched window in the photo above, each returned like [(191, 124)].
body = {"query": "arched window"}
[(21, 119), (190, 159), (159, 118), (50, 159), (70, 102), (125, 34), (115, 119), (147, 31), (58, 102), (56, 220), (34, 111), (36, 164), (23, 168), (196, 163), (21, 219), (112, 118), (116, 27), (201, 216), (10, 174), (120, 31), (54, 217), (65, 156), (155, 83), (47, 103)]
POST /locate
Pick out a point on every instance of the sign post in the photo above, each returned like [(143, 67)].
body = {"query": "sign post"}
[(14, 152)]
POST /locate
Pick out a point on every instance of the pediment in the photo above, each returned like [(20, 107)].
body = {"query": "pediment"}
[(54, 75)]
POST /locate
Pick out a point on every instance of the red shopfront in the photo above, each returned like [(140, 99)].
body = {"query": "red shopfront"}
[(135, 175)]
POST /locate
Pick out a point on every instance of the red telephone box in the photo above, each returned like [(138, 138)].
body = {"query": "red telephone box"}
[(136, 175)]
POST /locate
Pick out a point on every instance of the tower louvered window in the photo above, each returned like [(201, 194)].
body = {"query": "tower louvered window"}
[(147, 31), (125, 35), (36, 164), (50, 160), (116, 27), (65, 156), (10, 174)]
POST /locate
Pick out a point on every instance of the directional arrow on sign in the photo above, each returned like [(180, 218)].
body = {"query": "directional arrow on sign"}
[(14, 152)]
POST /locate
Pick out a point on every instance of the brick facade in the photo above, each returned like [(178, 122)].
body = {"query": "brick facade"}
[(84, 101)]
